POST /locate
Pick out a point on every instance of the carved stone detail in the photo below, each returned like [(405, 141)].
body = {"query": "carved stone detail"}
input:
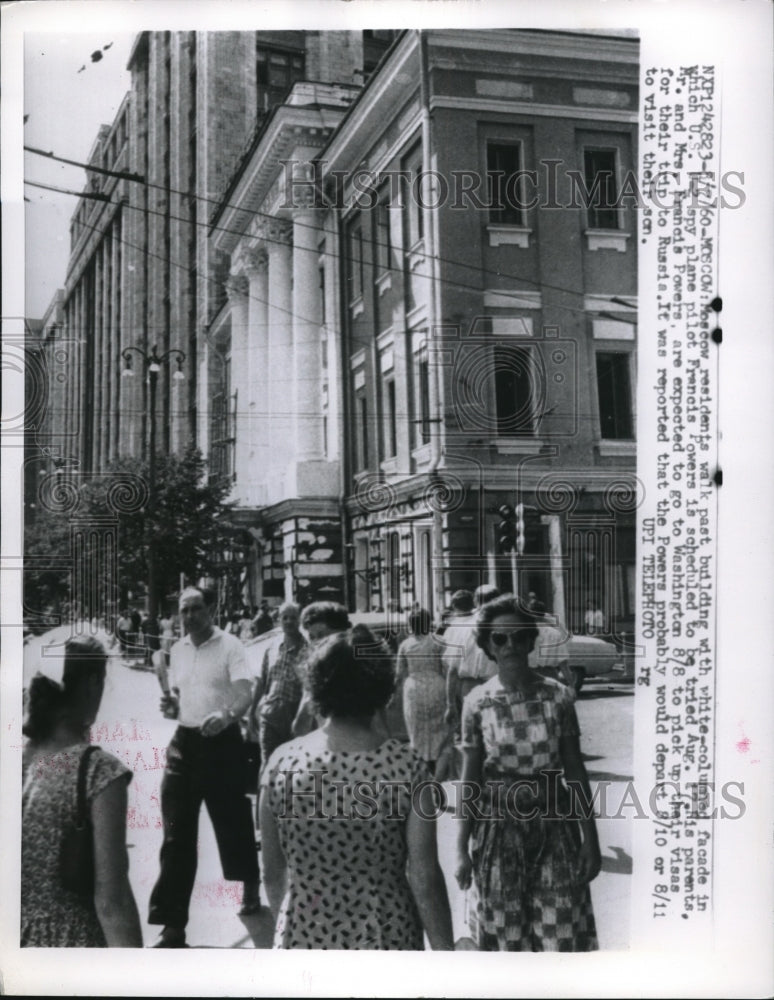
[(237, 286)]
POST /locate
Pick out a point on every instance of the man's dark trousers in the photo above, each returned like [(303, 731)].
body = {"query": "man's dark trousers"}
[(209, 769)]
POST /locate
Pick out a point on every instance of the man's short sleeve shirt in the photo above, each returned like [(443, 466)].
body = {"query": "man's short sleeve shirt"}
[(204, 675)]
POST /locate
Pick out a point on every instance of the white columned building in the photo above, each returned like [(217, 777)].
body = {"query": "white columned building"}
[(237, 288), (307, 415), (280, 365), (256, 264)]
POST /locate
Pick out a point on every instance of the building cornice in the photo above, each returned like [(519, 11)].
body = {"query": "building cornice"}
[(287, 127), (283, 510), (532, 109), (389, 89), (544, 44)]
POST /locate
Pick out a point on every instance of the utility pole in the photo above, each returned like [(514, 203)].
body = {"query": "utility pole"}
[(152, 365)]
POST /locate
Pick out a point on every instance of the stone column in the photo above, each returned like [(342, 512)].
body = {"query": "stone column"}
[(237, 287), (256, 263), (307, 402), (277, 235)]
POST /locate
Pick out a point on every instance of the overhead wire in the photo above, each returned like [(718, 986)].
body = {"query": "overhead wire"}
[(365, 341), (371, 240)]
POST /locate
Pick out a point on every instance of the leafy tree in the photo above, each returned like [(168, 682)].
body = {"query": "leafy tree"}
[(46, 578), (186, 522)]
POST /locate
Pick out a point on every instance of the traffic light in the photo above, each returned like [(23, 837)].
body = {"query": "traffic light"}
[(506, 529), (520, 528)]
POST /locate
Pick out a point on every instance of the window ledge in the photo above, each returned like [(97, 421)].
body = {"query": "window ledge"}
[(390, 465), (501, 235), (606, 239), (612, 448), (384, 282), (357, 306), (416, 255), (421, 455), (518, 446)]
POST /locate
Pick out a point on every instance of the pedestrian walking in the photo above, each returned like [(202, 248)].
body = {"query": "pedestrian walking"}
[(594, 619), (54, 915), (123, 630), (263, 621), (319, 620), (168, 636), (209, 685), (466, 664), (135, 635), (532, 854), (245, 625), (348, 863), (420, 670), (280, 684), (151, 633)]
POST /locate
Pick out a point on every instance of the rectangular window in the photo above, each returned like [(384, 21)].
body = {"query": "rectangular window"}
[(321, 281), (599, 171), (223, 409), (390, 420), (361, 442), (423, 399), (355, 262), (413, 220), (615, 396), (276, 72), (383, 249), (504, 186), (514, 391)]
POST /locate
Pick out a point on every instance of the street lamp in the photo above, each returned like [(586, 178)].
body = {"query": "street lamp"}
[(152, 363)]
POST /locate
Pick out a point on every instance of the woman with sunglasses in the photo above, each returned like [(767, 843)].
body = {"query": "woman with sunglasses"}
[(527, 819)]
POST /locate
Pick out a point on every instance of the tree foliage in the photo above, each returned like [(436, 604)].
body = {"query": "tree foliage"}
[(186, 522)]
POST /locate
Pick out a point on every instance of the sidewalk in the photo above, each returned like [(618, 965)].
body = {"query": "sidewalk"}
[(131, 726)]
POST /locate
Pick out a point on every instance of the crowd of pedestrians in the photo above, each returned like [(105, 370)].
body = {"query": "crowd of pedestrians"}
[(483, 700)]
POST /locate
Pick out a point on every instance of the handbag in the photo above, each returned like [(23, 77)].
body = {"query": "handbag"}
[(76, 856)]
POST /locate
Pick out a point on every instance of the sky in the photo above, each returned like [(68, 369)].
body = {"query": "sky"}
[(66, 106)]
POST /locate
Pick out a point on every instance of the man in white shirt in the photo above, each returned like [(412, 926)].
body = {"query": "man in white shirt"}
[(467, 665), (207, 689)]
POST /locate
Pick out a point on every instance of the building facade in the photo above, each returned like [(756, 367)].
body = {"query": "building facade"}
[(440, 326), (143, 274), (402, 271)]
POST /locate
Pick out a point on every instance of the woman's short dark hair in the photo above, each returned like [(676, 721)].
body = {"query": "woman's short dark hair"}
[(48, 701), (351, 674), (420, 622), (329, 613), (507, 604), (462, 601)]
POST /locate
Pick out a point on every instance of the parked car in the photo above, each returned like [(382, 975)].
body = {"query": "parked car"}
[(590, 656)]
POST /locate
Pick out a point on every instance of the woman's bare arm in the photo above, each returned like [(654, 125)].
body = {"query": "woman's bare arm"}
[(275, 868), (425, 876), (113, 897)]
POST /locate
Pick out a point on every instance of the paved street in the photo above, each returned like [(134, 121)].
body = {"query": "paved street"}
[(131, 727)]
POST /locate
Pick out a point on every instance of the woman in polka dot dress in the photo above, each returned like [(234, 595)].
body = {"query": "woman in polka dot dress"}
[(349, 862)]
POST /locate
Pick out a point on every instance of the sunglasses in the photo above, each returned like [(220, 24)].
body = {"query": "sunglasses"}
[(515, 638)]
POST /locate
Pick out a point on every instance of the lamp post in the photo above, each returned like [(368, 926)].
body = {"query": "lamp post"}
[(152, 364)]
